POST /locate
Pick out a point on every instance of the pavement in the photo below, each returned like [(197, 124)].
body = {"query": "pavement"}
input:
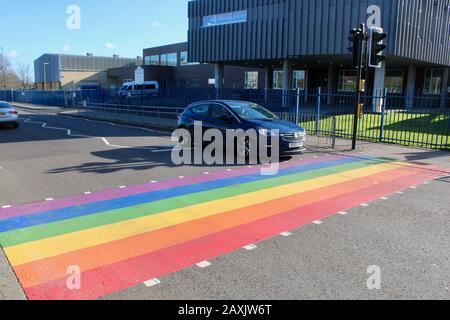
[(262, 245)]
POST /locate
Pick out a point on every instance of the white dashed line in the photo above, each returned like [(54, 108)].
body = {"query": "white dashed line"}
[(286, 234), (88, 192), (317, 222), (399, 192), (204, 264), (206, 173), (384, 198), (365, 205), (152, 283), (426, 182), (343, 213), (153, 181), (122, 187), (6, 207), (250, 247), (413, 187), (49, 199), (181, 177)]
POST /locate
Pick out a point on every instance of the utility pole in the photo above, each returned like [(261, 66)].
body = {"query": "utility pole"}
[(359, 39), (45, 76)]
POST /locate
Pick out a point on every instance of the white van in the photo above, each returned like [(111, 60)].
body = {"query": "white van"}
[(135, 89)]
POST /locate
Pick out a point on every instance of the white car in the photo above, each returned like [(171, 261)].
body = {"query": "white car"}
[(8, 115)]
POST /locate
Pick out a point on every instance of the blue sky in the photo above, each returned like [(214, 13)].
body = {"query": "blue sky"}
[(123, 27)]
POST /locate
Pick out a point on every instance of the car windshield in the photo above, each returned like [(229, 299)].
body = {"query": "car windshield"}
[(4, 105), (251, 111)]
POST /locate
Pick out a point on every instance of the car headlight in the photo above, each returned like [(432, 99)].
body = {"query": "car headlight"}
[(269, 133)]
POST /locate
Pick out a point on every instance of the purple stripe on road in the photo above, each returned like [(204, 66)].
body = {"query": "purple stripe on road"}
[(27, 209)]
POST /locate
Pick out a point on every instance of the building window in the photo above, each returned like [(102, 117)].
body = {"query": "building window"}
[(278, 80), (347, 80), (394, 81), (184, 58), (251, 80), (151, 60), (225, 18), (299, 79), (169, 59), (433, 81)]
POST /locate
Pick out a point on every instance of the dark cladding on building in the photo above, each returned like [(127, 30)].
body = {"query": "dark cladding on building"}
[(303, 44)]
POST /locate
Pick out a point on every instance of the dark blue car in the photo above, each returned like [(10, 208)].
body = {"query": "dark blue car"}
[(229, 114)]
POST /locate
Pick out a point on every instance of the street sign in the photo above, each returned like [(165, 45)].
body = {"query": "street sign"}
[(139, 77)]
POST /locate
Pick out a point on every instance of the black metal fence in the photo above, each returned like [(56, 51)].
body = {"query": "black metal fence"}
[(421, 120)]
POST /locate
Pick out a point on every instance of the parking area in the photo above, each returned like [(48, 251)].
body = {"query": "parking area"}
[(106, 198)]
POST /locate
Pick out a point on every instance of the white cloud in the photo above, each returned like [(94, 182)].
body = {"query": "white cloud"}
[(13, 54), (67, 47), (109, 45), (157, 24)]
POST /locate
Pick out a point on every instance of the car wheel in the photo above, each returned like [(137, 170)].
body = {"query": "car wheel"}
[(243, 148)]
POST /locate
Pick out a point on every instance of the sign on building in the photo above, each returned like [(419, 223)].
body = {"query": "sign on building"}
[(139, 77)]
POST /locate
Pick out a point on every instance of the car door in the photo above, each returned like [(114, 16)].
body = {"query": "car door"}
[(222, 118), (200, 113)]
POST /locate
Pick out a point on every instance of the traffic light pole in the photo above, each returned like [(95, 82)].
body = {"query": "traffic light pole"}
[(358, 87)]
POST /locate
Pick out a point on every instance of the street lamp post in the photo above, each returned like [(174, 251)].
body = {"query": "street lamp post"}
[(45, 76)]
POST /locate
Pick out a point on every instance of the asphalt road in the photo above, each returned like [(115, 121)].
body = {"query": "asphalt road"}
[(406, 235)]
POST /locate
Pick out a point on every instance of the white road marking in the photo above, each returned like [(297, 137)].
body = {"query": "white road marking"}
[(88, 192), (384, 198), (343, 213), (426, 182), (317, 222), (122, 187), (286, 234), (250, 247), (105, 141), (414, 187), (153, 181), (181, 177), (365, 205), (152, 283), (6, 207), (49, 199), (399, 192), (204, 264)]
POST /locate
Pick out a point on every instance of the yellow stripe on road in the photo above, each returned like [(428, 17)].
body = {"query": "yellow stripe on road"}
[(49, 247)]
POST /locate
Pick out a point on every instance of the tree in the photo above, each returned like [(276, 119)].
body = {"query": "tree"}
[(23, 72), (8, 78)]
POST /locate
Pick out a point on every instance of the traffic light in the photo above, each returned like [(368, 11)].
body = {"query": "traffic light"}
[(376, 47), (356, 43)]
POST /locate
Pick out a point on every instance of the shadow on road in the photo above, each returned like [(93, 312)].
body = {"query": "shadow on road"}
[(116, 160)]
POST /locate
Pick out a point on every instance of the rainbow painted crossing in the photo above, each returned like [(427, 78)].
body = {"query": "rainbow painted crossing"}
[(121, 238)]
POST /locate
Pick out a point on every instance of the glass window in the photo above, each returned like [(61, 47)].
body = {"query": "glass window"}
[(201, 110), (151, 60), (218, 111), (347, 80), (433, 81), (169, 59), (251, 111), (251, 80), (299, 78), (394, 81), (183, 58), (225, 18), (278, 80)]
